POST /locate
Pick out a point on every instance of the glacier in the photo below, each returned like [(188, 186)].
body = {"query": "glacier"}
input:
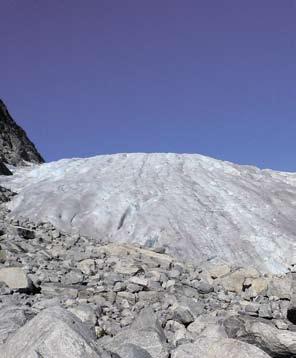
[(197, 207)]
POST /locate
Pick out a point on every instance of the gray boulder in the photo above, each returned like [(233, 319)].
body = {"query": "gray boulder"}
[(207, 325), (54, 332), (147, 340), (145, 332), (15, 278), (218, 348), (85, 313), (204, 287), (277, 343), (131, 351), (280, 287), (234, 281), (12, 318), (182, 314), (147, 321)]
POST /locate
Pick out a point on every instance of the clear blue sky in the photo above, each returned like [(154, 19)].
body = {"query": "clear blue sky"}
[(215, 77)]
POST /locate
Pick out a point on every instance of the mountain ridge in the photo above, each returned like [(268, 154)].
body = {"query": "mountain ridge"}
[(15, 147)]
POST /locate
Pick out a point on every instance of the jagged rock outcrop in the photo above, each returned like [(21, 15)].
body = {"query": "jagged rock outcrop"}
[(15, 147)]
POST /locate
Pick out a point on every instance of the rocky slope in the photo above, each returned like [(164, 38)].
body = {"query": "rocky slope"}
[(70, 296), (15, 147), (196, 207)]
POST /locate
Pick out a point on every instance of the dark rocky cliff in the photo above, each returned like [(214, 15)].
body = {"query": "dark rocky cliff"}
[(15, 147), (4, 170)]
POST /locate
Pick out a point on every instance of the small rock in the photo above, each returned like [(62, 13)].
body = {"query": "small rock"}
[(265, 311), (182, 314), (73, 277), (15, 278), (85, 313), (218, 270), (87, 266), (234, 281), (128, 296), (281, 324), (203, 287), (25, 233), (140, 281), (252, 309), (131, 287)]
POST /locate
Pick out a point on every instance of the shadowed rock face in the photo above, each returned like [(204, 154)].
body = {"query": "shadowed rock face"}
[(15, 147), (197, 207), (4, 170)]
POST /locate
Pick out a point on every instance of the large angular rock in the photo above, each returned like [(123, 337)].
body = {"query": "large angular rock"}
[(195, 306), (234, 281), (131, 351), (280, 287), (207, 325), (11, 318), (145, 256), (256, 286), (15, 278), (145, 332), (126, 267), (204, 287), (53, 333), (146, 321), (85, 313), (218, 270), (218, 348), (182, 314), (87, 266), (149, 341), (277, 343)]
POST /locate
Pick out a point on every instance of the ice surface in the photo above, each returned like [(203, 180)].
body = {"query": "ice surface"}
[(196, 206)]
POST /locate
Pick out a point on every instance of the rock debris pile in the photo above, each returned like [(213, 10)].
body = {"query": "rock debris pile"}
[(65, 295)]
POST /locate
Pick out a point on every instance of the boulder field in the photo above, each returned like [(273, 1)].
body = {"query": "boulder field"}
[(66, 295)]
